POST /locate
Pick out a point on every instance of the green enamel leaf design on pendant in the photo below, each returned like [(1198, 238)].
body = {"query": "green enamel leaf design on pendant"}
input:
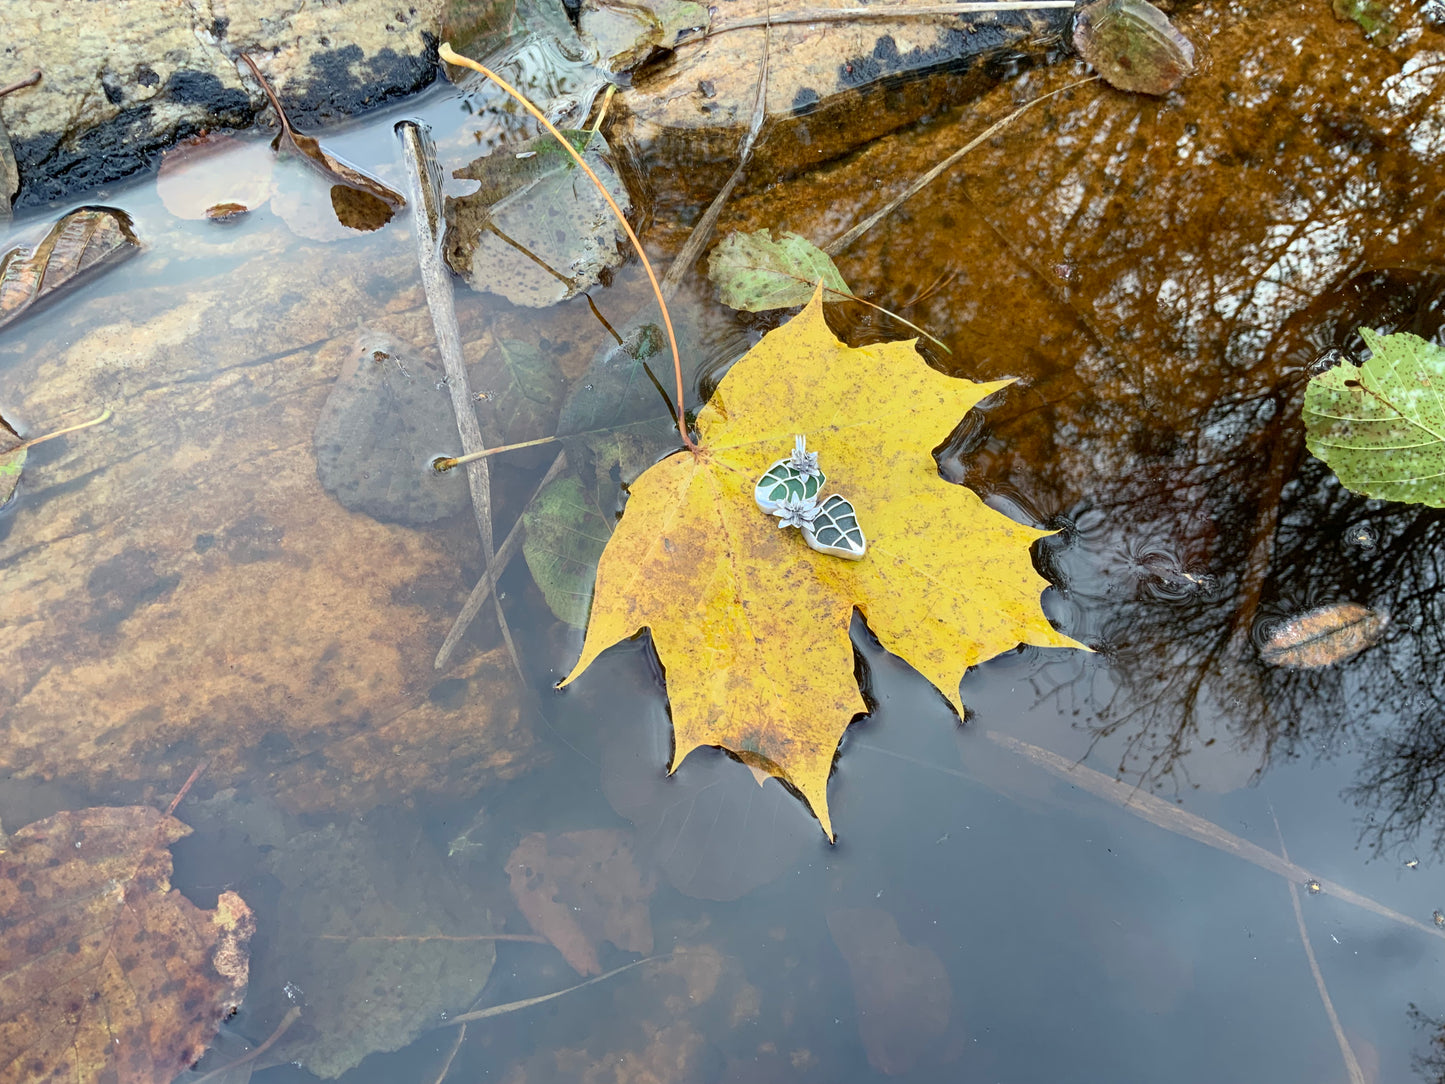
[(835, 530), (796, 477)]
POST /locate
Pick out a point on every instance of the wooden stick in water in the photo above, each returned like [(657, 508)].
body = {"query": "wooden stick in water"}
[(426, 199), (495, 567)]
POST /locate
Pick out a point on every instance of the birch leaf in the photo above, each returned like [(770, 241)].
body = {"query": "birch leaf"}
[(754, 273), (1381, 425), (750, 625)]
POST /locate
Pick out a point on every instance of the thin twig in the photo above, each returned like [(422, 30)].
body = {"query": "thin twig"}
[(33, 441), (488, 583), (880, 11), (185, 787), (446, 53), (459, 460), (425, 194), (451, 1057), (292, 1015), (839, 244), (1180, 821), (1352, 1064), (527, 1003), (20, 84), (702, 231), (844, 296)]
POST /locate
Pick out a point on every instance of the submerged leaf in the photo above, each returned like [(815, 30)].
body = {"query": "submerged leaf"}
[(617, 421), (1133, 45), (108, 973), (214, 170), (1381, 425), (1378, 19), (902, 992), (625, 35), (520, 390), (566, 533), (379, 937), (750, 625), (713, 831), (384, 422), (81, 244), (1324, 636), (754, 273), (536, 231), (579, 889)]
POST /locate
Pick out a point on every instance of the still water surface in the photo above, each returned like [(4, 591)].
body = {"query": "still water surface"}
[(183, 591)]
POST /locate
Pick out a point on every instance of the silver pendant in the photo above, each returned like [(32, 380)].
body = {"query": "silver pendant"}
[(797, 478), (834, 529)]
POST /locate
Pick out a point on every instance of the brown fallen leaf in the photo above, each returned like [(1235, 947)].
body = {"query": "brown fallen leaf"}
[(322, 160), (226, 212), (1324, 636), (902, 991), (78, 246), (106, 972), (579, 889)]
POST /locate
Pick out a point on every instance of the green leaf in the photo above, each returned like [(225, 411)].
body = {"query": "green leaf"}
[(754, 273), (566, 534), (12, 461), (523, 389), (1381, 426), (1378, 20)]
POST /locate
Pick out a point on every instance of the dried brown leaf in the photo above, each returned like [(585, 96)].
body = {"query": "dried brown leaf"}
[(1324, 636), (579, 889), (309, 148), (106, 972), (80, 244)]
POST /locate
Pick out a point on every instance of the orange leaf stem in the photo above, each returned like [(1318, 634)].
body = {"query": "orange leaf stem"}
[(446, 53)]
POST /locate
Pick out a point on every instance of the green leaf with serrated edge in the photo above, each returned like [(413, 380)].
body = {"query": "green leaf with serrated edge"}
[(566, 534), (754, 273), (1381, 425)]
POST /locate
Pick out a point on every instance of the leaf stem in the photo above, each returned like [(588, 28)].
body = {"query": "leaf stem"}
[(446, 464), (104, 416), (446, 53)]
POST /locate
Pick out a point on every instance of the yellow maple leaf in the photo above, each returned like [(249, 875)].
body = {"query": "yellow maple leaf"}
[(750, 624)]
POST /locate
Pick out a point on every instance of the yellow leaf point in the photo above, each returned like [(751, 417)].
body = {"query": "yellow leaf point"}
[(750, 625)]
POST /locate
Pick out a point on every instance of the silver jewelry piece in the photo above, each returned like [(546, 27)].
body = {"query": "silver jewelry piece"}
[(834, 529), (796, 511), (797, 476)]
